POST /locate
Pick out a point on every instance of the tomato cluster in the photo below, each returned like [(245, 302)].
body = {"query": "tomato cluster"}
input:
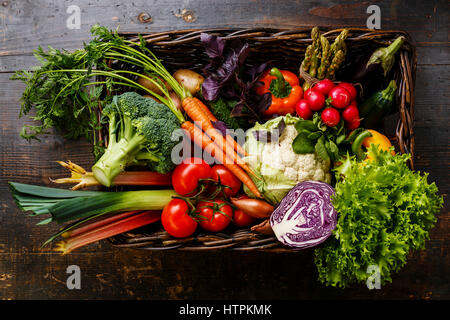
[(181, 216), (333, 101)]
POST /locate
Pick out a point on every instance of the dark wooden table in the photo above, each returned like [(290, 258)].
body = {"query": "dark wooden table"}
[(27, 272)]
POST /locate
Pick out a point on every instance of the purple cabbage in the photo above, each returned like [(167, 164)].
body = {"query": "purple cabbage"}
[(305, 217)]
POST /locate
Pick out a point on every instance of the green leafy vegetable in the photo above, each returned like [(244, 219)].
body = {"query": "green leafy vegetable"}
[(328, 142), (221, 108), (67, 88), (385, 210), (60, 99)]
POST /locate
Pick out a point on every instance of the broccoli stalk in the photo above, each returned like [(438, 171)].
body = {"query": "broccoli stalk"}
[(140, 132), (117, 157)]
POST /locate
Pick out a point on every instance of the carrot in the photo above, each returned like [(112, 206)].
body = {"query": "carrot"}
[(206, 143), (208, 112), (199, 112), (228, 138), (236, 146)]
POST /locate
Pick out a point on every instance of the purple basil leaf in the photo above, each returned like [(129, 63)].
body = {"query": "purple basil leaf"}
[(221, 126), (210, 89), (237, 110), (255, 71), (264, 102), (214, 45)]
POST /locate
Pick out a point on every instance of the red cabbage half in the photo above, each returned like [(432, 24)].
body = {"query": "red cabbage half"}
[(305, 217)]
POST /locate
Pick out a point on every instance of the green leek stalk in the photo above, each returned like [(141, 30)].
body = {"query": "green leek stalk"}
[(67, 205)]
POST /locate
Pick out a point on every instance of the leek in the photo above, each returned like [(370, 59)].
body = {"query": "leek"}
[(67, 205)]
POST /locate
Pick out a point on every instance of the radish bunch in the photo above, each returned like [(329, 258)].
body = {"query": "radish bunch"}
[(333, 101)]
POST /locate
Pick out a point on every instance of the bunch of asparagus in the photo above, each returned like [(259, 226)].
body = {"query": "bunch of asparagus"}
[(322, 59)]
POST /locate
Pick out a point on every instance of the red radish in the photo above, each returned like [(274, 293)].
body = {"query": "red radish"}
[(353, 103), (351, 89), (353, 125), (350, 113), (315, 99), (303, 109), (330, 116), (339, 97), (324, 86)]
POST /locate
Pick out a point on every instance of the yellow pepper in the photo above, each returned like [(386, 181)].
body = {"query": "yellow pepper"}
[(377, 139)]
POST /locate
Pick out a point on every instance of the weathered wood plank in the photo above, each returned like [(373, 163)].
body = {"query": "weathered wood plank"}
[(129, 274), (27, 24)]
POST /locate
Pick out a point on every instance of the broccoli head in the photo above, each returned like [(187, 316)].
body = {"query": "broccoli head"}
[(140, 131)]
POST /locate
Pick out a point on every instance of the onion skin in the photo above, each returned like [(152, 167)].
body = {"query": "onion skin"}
[(263, 228), (151, 86), (253, 207), (173, 96), (175, 99), (191, 80)]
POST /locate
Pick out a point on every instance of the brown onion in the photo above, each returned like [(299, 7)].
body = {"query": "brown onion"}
[(151, 86), (175, 99), (173, 96), (263, 228), (253, 207)]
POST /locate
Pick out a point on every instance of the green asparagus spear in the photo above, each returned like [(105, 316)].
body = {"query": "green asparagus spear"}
[(339, 43), (315, 36), (307, 60), (338, 58), (321, 72)]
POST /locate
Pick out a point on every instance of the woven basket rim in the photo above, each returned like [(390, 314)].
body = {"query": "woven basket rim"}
[(281, 31), (407, 63)]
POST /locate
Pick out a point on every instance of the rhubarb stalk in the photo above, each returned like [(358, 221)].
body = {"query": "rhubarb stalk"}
[(102, 231), (85, 179)]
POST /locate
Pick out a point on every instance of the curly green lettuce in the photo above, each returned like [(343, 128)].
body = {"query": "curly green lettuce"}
[(385, 210)]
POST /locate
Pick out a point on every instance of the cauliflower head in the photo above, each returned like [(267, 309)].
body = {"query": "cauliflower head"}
[(279, 168)]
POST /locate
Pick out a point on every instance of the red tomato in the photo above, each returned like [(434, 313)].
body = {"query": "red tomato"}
[(176, 220), (315, 98), (351, 89), (350, 113), (227, 178), (324, 86), (186, 176), (340, 97), (330, 116), (214, 215), (241, 219), (303, 109)]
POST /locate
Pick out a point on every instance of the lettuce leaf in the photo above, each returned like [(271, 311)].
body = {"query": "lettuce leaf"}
[(385, 210)]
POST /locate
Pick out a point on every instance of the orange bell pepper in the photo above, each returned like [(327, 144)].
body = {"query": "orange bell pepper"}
[(285, 89)]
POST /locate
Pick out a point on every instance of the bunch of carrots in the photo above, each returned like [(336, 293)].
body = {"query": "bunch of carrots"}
[(224, 149)]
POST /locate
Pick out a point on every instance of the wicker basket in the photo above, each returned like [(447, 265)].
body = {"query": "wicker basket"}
[(286, 47)]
